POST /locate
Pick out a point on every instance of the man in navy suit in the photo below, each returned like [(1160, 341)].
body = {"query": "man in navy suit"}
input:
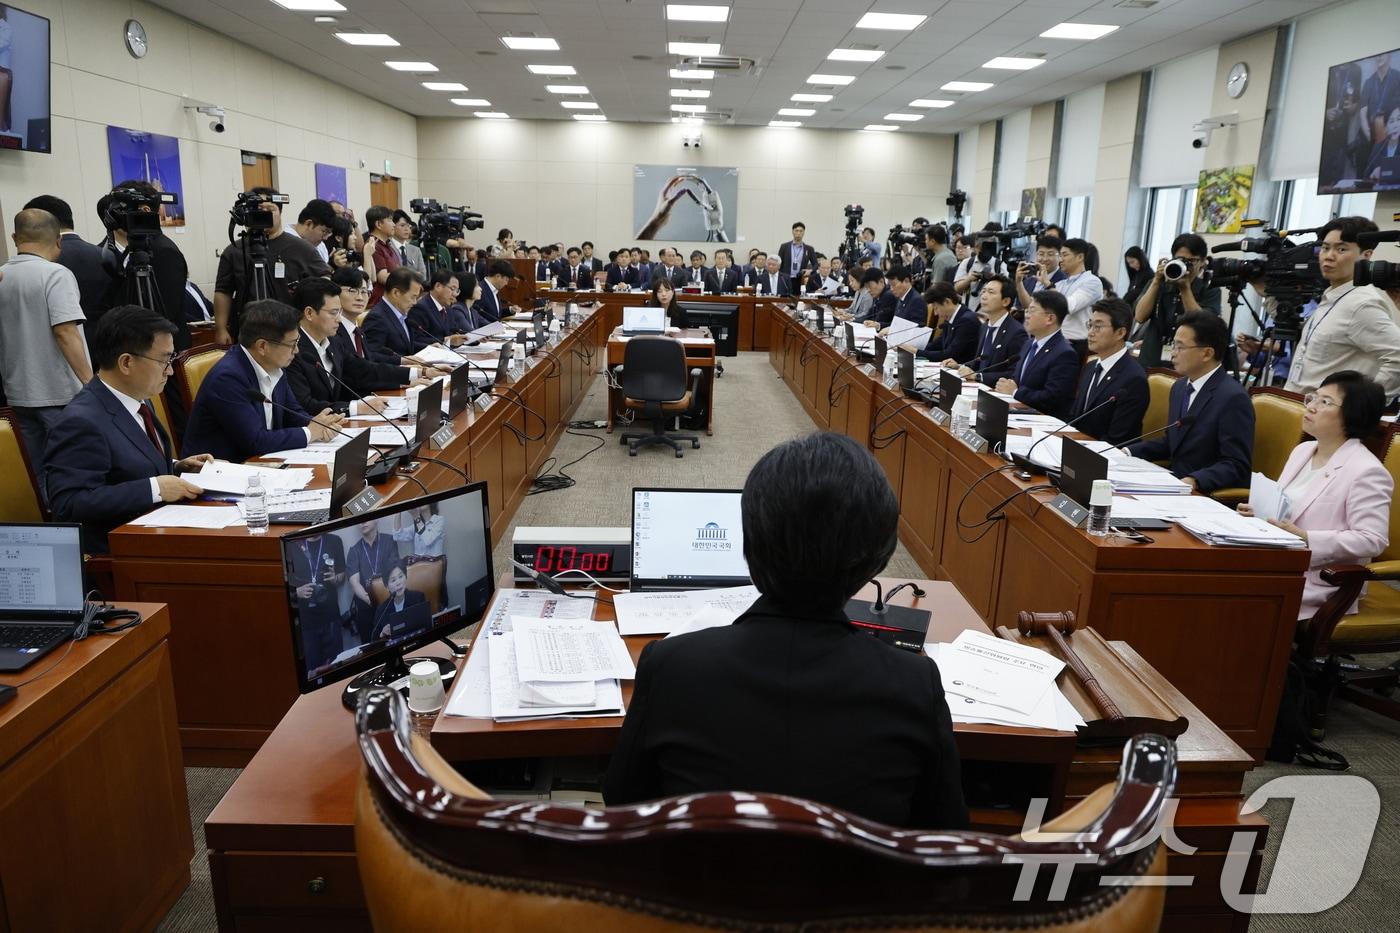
[(723, 279), (232, 417), (491, 306), (909, 304), (575, 276), (1046, 374), (1214, 445), (771, 281), (108, 457), (387, 336), (1116, 375), (625, 272), (1001, 338), (439, 314), (695, 273), (795, 257), (957, 340)]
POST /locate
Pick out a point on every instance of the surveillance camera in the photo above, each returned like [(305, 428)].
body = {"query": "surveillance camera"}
[(1201, 139), (217, 125)]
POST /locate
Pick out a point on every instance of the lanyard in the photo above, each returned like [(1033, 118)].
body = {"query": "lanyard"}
[(320, 549), (1318, 315)]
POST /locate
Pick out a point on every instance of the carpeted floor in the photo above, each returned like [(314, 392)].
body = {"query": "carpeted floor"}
[(754, 411)]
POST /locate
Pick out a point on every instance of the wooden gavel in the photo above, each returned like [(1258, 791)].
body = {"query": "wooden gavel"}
[(1054, 624)]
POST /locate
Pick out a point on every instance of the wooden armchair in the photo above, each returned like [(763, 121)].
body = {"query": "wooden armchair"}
[(19, 487), (432, 846)]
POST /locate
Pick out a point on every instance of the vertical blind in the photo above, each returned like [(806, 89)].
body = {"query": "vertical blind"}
[(1078, 156), (1180, 98), (1011, 161)]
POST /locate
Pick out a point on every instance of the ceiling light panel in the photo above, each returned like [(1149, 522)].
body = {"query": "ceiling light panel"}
[(530, 44), (444, 85), (1080, 32), (901, 22), (881, 127), (931, 102), (832, 80), (492, 115), (417, 67), (855, 55), (690, 13), (904, 117), (970, 87), (590, 118), (471, 102), (1010, 63), (552, 69), (366, 38), (688, 108), (811, 98), (795, 112), (785, 123), (310, 6), (689, 92), (693, 49), (578, 104)]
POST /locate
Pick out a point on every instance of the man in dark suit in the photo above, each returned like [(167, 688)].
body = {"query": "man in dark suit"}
[(491, 306), (1116, 375), (792, 698), (668, 268), (544, 266), (232, 417), (439, 314), (695, 273), (1001, 338), (1046, 374), (108, 458), (795, 257), (625, 272), (909, 304), (772, 281), (589, 261), (387, 336), (575, 276), (957, 340), (723, 279), (318, 354), (1213, 447), (755, 267), (81, 258), (315, 571)]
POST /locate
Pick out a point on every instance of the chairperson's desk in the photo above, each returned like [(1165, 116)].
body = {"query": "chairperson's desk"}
[(230, 633), (282, 846), (1217, 622)]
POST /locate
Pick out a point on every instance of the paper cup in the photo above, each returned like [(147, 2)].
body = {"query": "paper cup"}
[(425, 693)]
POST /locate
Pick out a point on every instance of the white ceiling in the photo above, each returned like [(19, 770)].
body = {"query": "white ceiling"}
[(619, 49)]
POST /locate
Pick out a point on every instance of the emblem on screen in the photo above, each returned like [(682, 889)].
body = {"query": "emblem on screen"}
[(711, 537)]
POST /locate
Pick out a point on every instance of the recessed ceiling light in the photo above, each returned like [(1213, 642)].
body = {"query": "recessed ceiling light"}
[(692, 74), (697, 14), (492, 115), (899, 21), (811, 98), (471, 102), (856, 55), (366, 38), (591, 117), (530, 44), (1014, 64), (689, 92), (795, 112), (696, 49), (420, 67), (1078, 31), (310, 6), (969, 86), (688, 121), (552, 69), (841, 80), (566, 89), (785, 123), (324, 19), (881, 127), (904, 117), (444, 85), (578, 104), (688, 108), (930, 102)]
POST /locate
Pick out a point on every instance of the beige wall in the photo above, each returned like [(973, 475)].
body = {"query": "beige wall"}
[(272, 107), (1042, 140), (986, 162), (1240, 145), (1118, 140)]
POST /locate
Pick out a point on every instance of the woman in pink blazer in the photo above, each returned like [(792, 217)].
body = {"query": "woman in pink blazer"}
[(1339, 493)]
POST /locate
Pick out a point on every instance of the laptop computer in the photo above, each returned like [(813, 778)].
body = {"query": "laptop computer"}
[(687, 539), (347, 479), (41, 591), (642, 321)]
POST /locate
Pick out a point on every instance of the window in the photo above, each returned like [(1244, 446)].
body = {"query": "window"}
[(1074, 216), (1170, 212), (1301, 207)]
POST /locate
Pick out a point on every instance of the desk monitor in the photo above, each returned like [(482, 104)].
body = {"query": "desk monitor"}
[(992, 413), (385, 584), (503, 363), (460, 390), (949, 388), (721, 318), (643, 320), (850, 331), (429, 416), (687, 539), (906, 368), (882, 348), (1079, 467)]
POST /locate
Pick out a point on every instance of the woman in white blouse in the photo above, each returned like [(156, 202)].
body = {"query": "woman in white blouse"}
[(425, 531)]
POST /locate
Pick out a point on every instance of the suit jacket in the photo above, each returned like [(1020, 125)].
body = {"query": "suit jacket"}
[(957, 340), (676, 276), (543, 272), (488, 307), (1216, 446), (789, 703), (1345, 510), (315, 391), (100, 463), (911, 307), (1047, 381), (581, 280), (385, 340), (631, 275), (883, 311), (454, 319), (717, 284), (809, 258), (999, 358), (228, 422), (687, 276), (86, 262), (415, 257), (1121, 420), (764, 285), (414, 617)]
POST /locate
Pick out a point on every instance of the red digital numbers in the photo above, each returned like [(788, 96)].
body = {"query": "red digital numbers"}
[(556, 560), (544, 559)]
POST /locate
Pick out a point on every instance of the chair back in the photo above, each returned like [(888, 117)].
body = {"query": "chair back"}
[(191, 366), (653, 369), (735, 861), (1392, 463), (426, 575), (1278, 428), (163, 416), (1159, 390), (19, 487)]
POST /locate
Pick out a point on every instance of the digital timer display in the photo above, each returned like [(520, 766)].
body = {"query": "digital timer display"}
[(556, 559)]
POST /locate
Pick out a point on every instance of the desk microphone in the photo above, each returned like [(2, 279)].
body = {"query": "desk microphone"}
[(381, 472), (408, 448), (1027, 465), (1181, 422), (257, 396), (508, 398)]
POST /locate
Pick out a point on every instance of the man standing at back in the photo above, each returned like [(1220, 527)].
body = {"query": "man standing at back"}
[(796, 257), (81, 258)]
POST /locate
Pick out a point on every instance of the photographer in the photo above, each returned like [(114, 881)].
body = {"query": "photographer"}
[(168, 267), (942, 263), (1163, 303), (289, 260), (1354, 325), (1045, 272), (315, 224), (977, 268)]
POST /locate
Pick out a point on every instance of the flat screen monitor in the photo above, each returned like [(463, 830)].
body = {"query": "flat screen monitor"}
[(41, 572), (949, 388), (906, 367), (429, 415), (460, 390), (992, 414), (364, 590), (882, 348), (1079, 467), (1360, 124), (503, 363), (24, 94), (687, 539), (348, 472)]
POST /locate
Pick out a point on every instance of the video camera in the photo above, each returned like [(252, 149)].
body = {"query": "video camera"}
[(443, 221), (1011, 252), (136, 211), (1290, 275), (957, 200), (248, 211), (851, 250), (1381, 273)]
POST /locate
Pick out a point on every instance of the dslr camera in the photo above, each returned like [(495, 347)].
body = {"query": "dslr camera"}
[(248, 211), (136, 211)]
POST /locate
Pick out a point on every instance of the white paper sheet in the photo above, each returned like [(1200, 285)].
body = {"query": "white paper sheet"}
[(190, 516), (534, 604), (568, 650), (471, 694), (997, 672), (1267, 499), (1054, 711), (434, 355), (664, 613), (222, 476), (505, 689), (712, 616)]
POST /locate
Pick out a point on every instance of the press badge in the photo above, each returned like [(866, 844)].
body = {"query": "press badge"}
[(279, 270)]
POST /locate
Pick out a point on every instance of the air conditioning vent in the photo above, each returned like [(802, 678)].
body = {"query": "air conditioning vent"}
[(731, 63)]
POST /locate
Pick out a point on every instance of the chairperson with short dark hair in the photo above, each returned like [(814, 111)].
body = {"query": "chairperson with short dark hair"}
[(792, 698)]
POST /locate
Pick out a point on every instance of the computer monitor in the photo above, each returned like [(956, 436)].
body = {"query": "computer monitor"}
[(949, 388), (348, 472), (906, 367), (503, 364), (992, 414), (460, 390), (41, 572), (1079, 467), (643, 320), (850, 331), (385, 584), (429, 416), (687, 539), (882, 348)]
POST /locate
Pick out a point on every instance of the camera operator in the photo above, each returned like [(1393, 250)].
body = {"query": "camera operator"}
[(289, 260), (1164, 302), (315, 224), (978, 267), (1354, 325), (169, 270), (1045, 272), (942, 263)]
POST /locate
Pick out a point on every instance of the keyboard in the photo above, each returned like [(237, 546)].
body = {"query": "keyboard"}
[(19, 637), (303, 517)]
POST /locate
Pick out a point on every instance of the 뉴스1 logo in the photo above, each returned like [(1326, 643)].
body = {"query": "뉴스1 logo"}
[(711, 537)]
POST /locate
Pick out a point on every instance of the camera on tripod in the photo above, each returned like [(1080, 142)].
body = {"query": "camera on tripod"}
[(248, 211), (443, 221), (1381, 273), (1289, 273), (899, 235), (137, 211), (851, 250), (1004, 243), (957, 200)]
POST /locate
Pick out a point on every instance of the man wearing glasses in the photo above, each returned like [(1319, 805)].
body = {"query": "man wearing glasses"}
[(109, 457)]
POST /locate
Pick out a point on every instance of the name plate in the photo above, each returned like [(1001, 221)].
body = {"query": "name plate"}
[(442, 437), (940, 417), (366, 500), (972, 439), (1071, 511), (483, 401)]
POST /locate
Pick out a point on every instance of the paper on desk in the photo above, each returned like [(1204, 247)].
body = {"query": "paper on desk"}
[(433, 355), (222, 476), (190, 516), (1236, 530), (1054, 711), (997, 672), (905, 333), (566, 650), (711, 616), (1267, 499), (298, 501), (663, 613), (471, 694), (505, 689), (1032, 420), (1126, 507), (578, 694), (534, 604), (386, 435), (1175, 507)]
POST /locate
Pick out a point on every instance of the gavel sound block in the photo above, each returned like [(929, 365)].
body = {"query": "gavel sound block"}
[(1114, 702)]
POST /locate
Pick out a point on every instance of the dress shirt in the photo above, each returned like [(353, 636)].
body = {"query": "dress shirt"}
[(1106, 365), (1196, 386), (133, 407), (1353, 328), (1080, 291), (321, 249), (266, 385), (323, 350)]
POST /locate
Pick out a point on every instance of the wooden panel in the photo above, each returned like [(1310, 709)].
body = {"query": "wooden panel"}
[(384, 191), (921, 498), (257, 172), (1037, 580), (293, 880), (971, 557)]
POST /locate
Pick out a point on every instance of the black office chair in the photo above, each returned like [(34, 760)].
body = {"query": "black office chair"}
[(653, 379)]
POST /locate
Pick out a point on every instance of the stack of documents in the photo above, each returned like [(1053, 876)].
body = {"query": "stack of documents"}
[(1144, 478), (1236, 530), (992, 680), (191, 516), (677, 613), (304, 500), (1267, 498), (438, 355), (905, 333), (225, 477)]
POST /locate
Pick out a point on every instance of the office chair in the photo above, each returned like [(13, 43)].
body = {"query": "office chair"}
[(430, 845), (1278, 427), (191, 366), (653, 380), (1159, 387), (19, 487)]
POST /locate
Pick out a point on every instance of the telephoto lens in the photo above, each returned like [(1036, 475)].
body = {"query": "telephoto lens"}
[(1176, 269)]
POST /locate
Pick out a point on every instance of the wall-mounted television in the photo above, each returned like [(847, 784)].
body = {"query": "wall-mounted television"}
[(24, 80), (1361, 126)]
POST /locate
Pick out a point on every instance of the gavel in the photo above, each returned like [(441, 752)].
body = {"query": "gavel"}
[(1057, 625)]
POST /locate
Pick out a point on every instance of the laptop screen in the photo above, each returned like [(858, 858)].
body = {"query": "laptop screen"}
[(644, 319), (685, 539), (1079, 467), (429, 415), (41, 568)]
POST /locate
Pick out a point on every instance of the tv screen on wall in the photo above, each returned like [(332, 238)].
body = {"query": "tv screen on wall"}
[(1361, 126), (24, 80)]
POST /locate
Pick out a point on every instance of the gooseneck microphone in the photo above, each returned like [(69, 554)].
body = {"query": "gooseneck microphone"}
[(1027, 465), (257, 396), (1181, 422)]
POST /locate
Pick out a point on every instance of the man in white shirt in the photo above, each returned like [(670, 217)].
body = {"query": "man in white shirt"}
[(1081, 289), (314, 225), (1354, 325), (823, 282)]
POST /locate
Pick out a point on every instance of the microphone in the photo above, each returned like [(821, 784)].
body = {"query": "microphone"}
[(1181, 422), (381, 472), (1027, 464), (257, 396), (409, 448), (360, 398), (1370, 240)]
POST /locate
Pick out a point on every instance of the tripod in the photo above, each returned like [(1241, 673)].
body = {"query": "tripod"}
[(140, 276), (255, 271)]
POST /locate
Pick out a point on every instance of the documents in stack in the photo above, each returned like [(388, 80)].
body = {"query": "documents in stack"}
[(667, 613), (905, 333), (302, 500), (222, 476), (514, 701), (1235, 530), (1144, 478), (991, 680), (434, 355), (1267, 498), (190, 516), (570, 650), (318, 453)]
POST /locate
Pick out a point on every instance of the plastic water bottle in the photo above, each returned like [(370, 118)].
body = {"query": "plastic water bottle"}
[(255, 506), (962, 414), (1100, 508)]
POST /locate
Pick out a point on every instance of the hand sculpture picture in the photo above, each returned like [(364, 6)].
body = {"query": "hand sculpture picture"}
[(688, 206)]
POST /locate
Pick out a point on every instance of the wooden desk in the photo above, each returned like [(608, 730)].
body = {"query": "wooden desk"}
[(699, 354), (93, 813), (1217, 622), (230, 636), (288, 820)]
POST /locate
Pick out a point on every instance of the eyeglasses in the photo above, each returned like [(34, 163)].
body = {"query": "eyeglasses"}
[(285, 344), (1313, 400), (1097, 326), (1178, 347), (164, 362), (356, 291)]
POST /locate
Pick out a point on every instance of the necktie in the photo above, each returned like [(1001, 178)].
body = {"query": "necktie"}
[(403, 255), (1190, 393), (149, 421), (1026, 363), (1093, 382), (987, 343), (359, 344)]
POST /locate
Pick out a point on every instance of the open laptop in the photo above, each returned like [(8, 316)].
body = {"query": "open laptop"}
[(687, 539), (642, 321), (41, 591)]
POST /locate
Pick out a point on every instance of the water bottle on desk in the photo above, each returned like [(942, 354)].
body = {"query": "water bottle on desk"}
[(1100, 508), (962, 414), (255, 506)]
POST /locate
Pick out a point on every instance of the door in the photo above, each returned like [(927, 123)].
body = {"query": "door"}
[(384, 190), (257, 171)]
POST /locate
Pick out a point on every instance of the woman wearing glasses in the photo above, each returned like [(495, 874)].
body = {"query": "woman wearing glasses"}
[(1338, 492)]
